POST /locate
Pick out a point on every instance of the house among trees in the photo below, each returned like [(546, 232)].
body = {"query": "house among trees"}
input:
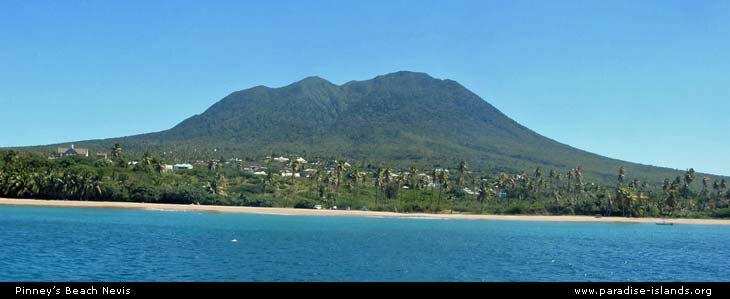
[(281, 159), (287, 173), (253, 169), (72, 151), (184, 166)]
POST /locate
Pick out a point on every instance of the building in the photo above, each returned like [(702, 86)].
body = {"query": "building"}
[(301, 160), (184, 166), (253, 169), (346, 164), (289, 174), (469, 191), (72, 151), (281, 159), (102, 155)]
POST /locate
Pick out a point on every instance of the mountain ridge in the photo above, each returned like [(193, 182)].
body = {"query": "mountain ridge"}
[(402, 117)]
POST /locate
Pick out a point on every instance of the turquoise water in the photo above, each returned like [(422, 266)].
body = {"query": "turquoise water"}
[(64, 244)]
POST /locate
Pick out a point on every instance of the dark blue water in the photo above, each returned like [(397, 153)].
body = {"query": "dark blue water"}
[(63, 244)]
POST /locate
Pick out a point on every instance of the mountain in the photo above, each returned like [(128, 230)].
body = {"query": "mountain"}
[(402, 118)]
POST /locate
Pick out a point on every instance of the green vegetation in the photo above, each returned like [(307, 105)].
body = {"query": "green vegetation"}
[(361, 186), (403, 119)]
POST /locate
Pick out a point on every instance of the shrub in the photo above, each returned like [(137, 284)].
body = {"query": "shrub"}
[(516, 208), (722, 213)]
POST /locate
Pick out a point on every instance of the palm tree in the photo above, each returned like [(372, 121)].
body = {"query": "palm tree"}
[(689, 177), (463, 168), (379, 182), (619, 185), (634, 184), (268, 180), (443, 178), (221, 185), (446, 187), (626, 197), (357, 177), (671, 199), (485, 192), (557, 197), (313, 177), (705, 185), (716, 192), (340, 169), (91, 186), (621, 175), (158, 165), (579, 178), (69, 187), (413, 177), (117, 151), (331, 179), (704, 194), (212, 165), (400, 182), (538, 179), (723, 186), (295, 167), (386, 184), (146, 159), (434, 181), (9, 158), (423, 182)]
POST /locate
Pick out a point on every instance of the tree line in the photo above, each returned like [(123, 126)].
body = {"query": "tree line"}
[(373, 187)]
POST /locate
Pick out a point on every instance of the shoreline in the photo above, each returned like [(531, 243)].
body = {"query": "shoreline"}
[(345, 213)]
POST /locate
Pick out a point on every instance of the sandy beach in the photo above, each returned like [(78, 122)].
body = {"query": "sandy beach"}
[(351, 213)]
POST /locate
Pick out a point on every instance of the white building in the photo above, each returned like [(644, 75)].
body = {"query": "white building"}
[(281, 159), (289, 174), (183, 166), (468, 191)]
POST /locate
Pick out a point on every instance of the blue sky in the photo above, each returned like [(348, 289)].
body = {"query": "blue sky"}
[(643, 81)]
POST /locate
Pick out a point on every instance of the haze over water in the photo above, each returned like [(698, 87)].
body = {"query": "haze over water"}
[(66, 244)]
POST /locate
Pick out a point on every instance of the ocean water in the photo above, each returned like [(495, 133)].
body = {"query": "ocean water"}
[(65, 244)]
